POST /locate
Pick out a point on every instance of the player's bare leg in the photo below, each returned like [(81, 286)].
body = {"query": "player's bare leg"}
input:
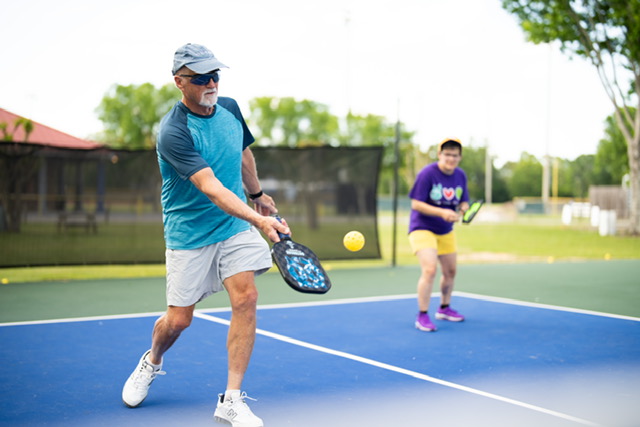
[(167, 329), (243, 296), (448, 263), (231, 407), (428, 259)]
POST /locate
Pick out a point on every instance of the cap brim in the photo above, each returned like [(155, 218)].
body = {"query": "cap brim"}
[(202, 67), (447, 140)]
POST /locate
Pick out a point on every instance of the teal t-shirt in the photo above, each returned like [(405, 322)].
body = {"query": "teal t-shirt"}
[(188, 143)]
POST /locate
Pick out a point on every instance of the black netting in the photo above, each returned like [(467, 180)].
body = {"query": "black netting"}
[(65, 207), (323, 193)]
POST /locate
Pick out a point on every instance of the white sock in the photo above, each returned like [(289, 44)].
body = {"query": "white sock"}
[(231, 395), (155, 367)]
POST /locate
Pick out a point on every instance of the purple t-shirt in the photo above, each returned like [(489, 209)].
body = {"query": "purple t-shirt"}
[(437, 189)]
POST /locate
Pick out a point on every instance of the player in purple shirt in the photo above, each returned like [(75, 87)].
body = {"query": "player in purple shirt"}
[(438, 199)]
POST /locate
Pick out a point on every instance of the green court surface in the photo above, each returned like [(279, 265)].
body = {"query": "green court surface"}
[(604, 286)]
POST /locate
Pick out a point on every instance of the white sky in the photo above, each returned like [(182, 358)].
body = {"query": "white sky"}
[(446, 67)]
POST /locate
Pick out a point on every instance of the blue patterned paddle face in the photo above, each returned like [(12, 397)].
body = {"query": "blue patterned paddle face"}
[(299, 266)]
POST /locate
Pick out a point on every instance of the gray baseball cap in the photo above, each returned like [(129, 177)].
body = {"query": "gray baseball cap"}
[(197, 58)]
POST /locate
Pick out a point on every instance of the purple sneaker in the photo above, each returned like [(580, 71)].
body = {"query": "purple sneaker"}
[(424, 323), (449, 314)]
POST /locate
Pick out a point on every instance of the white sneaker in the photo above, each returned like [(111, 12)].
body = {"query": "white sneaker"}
[(136, 388), (236, 412)]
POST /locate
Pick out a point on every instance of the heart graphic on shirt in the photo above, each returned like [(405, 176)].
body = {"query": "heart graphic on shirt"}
[(448, 193)]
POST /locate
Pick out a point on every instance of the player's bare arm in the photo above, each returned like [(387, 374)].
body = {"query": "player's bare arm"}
[(427, 209), (206, 181), (264, 204)]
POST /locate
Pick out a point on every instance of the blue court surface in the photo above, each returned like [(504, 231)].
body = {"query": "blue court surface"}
[(357, 362)]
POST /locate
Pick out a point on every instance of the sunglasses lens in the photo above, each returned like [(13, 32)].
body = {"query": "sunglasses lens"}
[(203, 79)]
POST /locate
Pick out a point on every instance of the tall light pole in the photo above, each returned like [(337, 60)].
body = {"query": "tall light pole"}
[(547, 158), (488, 173), (396, 167), (347, 22)]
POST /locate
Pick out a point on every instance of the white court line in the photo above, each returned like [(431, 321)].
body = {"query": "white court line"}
[(332, 302), (341, 301), (83, 319), (403, 371), (412, 296), (545, 306)]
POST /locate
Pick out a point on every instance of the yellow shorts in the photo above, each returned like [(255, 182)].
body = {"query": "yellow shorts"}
[(424, 239)]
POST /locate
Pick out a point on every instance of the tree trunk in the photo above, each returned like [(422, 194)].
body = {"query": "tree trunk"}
[(14, 197), (18, 166), (632, 137)]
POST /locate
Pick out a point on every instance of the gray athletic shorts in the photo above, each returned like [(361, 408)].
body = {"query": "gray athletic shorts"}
[(194, 274)]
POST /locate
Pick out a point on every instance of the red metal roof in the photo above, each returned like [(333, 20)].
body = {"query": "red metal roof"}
[(43, 135)]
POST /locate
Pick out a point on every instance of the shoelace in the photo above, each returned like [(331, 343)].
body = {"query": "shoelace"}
[(244, 396), (240, 406), (146, 375)]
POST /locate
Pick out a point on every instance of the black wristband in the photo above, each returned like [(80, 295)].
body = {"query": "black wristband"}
[(255, 196)]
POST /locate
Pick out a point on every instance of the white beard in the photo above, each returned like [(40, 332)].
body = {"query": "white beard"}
[(209, 100)]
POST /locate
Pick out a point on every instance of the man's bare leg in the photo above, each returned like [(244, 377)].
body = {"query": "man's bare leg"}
[(167, 329), (243, 296)]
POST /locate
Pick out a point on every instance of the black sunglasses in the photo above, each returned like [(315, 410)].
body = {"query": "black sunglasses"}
[(202, 79)]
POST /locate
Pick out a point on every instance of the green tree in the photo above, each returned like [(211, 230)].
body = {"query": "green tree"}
[(524, 178), (611, 160), (8, 135), (606, 33), (131, 114), (499, 188), (366, 130), (376, 130), (474, 165), (291, 123), (562, 182), (582, 175)]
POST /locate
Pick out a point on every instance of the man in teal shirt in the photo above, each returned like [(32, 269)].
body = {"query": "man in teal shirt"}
[(210, 231)]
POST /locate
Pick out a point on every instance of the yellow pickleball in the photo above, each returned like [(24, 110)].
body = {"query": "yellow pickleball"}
[(353, 241)]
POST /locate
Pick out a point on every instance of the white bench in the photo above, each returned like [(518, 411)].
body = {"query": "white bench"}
[(67, 220)]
